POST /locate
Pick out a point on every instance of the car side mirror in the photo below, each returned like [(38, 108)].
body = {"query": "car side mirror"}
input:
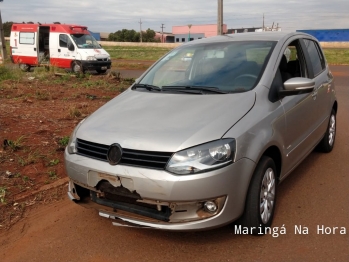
[(297, 86)]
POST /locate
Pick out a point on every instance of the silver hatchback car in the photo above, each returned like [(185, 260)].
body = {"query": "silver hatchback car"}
[(202, 140)]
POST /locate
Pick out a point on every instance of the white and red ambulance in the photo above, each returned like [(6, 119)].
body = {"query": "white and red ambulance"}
[(61, 45)]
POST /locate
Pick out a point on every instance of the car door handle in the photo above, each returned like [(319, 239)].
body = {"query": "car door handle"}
[(34, 48), (59, 50)]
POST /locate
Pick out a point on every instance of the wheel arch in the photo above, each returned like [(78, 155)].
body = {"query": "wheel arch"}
[(335, 106), (79, 63), (274, 153)]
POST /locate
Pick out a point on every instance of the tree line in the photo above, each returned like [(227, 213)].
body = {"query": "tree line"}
[(126, 35), (123, 35), (7, 28)]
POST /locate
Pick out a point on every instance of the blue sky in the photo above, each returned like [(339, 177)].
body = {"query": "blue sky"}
[(113, 15)]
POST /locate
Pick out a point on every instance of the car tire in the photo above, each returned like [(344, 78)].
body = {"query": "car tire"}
[(327, 143), (77, 67), (260, 200), (24, 67)]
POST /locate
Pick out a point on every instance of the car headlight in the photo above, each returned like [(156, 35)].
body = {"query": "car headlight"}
[(72, 140), (109, 58), (91, 58), (202, 158)]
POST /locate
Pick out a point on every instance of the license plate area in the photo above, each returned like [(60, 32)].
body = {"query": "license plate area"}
[(94, 178), (104, 68)]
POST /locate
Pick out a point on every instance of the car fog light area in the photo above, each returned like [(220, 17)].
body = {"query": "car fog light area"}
[(202, 158), (210, 206)]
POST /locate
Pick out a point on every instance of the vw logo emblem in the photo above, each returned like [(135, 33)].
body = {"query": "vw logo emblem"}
[(114, 154)]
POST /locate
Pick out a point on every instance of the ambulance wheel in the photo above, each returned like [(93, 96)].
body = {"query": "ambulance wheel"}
[(24, 67), (77, 67), (99, 71)]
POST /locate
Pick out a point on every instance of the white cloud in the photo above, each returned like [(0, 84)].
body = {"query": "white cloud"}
[(112, 15)]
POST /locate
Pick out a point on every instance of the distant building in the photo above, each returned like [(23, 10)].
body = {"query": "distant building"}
[(183, 33), (95, 35), (104, 36), (165, 37), (244, 30), (329, 35), (252, 29)]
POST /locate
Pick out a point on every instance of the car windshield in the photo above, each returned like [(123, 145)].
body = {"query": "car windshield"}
[(227, 66), (85, 41)]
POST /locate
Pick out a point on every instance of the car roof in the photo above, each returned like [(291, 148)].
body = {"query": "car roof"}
[(253, 36)]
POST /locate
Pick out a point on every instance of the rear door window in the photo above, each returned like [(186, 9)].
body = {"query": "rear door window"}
[(26, 38)]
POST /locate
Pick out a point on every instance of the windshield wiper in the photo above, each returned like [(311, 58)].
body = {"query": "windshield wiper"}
[(194, 88), (148, 87)]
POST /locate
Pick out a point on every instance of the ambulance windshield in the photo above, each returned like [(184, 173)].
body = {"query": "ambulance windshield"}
[(85, 41)]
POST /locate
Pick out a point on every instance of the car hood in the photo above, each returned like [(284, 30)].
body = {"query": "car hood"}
[(98, 53), (165, 122)]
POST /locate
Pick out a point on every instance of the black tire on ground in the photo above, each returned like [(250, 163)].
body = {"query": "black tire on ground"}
[(99, 71), (327, 143), (24, 67), (77, 68), (257, 199)]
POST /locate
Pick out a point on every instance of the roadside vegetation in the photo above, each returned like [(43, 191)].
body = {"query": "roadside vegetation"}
[(136, 52), (337, 56), (38, 112)]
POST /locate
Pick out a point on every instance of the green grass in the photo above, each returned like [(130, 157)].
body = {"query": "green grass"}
[(8, 73), (53, 162), (334, 56), (64, 141), (14, 145), (136, 52), (337, 56), (3, 194), (130, 65)]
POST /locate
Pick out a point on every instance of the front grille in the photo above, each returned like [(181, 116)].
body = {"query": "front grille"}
[(102, 59), (130, 157)]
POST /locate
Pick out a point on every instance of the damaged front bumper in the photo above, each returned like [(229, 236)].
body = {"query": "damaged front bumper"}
[(120, 202), (157, 199)]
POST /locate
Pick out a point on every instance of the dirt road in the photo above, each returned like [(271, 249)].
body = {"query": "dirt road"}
[(315, 195)]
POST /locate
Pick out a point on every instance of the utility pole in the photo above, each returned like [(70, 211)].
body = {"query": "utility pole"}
[(220, 18), (162, 33), (2, 40), (140, 29), (263, 23)]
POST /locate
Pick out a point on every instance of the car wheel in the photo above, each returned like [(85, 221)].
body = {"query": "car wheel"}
[(327, 143), (99, 71), (77, 67), (260, 200), (24, 67)]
